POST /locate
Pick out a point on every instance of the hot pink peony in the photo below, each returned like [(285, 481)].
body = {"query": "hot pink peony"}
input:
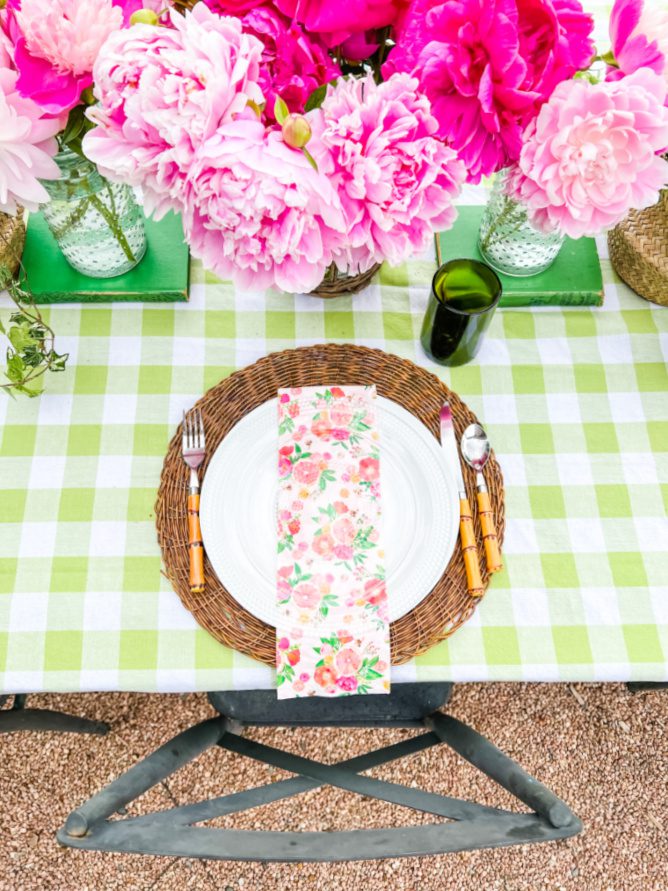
[(294, 63), (338, 19), (27, 146), (639, 34), (162, 93), (57, 42), (6, 44), (488, 65), (590, 156), (396, 181), (257, 212)]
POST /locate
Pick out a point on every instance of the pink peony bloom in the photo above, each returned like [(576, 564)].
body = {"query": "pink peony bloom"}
[(348, 661), (162, 93), (27, 146), (233, 7), (257, 212), (347, 684), (57, 42), (395, 180), (344, 531), (590, 156), (294, 63), (306, 595), (369, 469), (639, 35), (6, 43), (488, 65), (337, 20)]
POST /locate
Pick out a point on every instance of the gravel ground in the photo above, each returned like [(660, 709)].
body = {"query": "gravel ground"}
[(601, 749)]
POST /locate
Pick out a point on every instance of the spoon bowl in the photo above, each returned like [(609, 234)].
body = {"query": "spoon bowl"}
[(475, 447)]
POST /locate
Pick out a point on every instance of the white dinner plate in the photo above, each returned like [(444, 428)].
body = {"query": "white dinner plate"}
[(238, 509)]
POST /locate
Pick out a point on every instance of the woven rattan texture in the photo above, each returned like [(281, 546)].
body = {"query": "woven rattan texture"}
[(440, 613), (639, 251), (338, 284)]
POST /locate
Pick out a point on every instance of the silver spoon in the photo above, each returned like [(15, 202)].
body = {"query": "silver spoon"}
[(476, 451)]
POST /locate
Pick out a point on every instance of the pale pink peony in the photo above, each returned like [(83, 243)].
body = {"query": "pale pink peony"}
[(162, 93), (27, 146), (639, 34), (488, 65), (590, 156), (294, 63), (257, 212), (396, 181), (57, 42)]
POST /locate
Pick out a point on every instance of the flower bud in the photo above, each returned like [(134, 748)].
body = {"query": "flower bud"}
[(296, 131), (3, 3), (144, 17)]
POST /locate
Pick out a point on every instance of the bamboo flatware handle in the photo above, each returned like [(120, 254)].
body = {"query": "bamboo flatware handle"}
[(492, 553), (470, 549), (195, 546)]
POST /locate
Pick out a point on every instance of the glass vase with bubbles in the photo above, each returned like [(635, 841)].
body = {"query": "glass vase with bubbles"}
[(508, 241), (98, 225)]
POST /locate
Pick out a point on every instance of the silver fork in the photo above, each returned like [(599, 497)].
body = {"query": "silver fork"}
[(193, 449)]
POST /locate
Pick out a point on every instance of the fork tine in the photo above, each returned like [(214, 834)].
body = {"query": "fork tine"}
[(201, 428)]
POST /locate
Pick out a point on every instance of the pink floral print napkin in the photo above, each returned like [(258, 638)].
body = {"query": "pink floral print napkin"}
[(333, 634)]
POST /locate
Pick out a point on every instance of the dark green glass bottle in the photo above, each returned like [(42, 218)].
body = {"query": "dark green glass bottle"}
[(464, 295)]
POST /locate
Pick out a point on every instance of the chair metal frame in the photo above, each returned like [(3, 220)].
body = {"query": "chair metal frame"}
[(174, 831), (18, 717)]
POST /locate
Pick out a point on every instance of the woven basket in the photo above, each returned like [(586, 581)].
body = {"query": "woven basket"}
[(12, 239), (448, 605), (639, 251), (337, 283)]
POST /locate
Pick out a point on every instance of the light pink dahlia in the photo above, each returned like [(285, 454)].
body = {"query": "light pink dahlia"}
[(57, 42), (162, 93), (27, 146), (396, 181), (639, 34), (294, 63), (591, 155), (257, 212), (488, 65)]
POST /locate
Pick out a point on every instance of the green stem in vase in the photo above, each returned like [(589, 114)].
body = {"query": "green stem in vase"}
[(511, 211), (111, 218)]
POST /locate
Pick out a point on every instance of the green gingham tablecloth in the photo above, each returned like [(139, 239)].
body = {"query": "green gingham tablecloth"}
[(575, 402)]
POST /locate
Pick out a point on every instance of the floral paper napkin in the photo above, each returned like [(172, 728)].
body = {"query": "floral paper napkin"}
[(333, 635)]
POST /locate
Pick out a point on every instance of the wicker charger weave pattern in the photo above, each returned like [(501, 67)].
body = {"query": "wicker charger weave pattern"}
[(12, 239), (639, 251), (440, 613)]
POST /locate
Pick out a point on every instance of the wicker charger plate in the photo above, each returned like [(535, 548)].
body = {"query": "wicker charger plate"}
[(443, 610)]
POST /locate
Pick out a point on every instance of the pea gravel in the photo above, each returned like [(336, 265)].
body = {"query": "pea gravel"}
[(600, 748)]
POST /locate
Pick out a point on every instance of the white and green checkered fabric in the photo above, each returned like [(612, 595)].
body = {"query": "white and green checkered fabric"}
[(576, 404)]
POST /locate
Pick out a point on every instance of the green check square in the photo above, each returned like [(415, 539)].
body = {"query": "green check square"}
[(613, 500), (95, 322), (642, 643), (652, 377), (62, 650), (84, 439), (501, 645), (395, 276), (639, 321), (590, 379), (519, 325), (658, 435), (537, 439), (559, 570), (141, 573), (69, 574), (580, 323), (528, 379), (150, 439), (628, 569), (90, 379), (280, 325), (138, 650), (547, 502), (18, 439), (601, 437), (339, 326), (571, 644), (12, 505), (8, 567), (398, 325), (140, 505), (209, 653), (155, 380), (76, 505), (220, 323), (157, 322), (3, 649)]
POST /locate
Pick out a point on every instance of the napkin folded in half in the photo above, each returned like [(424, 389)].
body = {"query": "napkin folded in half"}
[(333, 634)]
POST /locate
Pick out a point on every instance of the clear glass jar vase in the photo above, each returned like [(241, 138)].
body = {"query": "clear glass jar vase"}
[(97, 224), (508, 241)]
